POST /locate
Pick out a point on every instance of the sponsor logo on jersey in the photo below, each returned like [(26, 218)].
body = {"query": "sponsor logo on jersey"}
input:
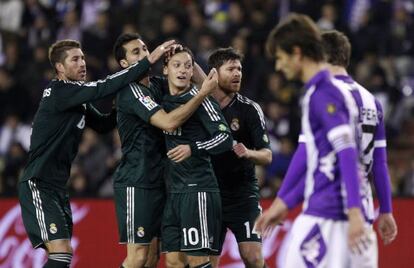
[(222, 127), (234, 125), (53, 229), (148, 102), (140, 231), (331, 108)]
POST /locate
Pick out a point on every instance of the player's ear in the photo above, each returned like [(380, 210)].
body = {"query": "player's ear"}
[(297, 51), (165, 70), (124, 63), (60, 67)]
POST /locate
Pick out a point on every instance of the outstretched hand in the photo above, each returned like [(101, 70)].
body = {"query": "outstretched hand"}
[(271, 217), (160, 50), (210, 83)]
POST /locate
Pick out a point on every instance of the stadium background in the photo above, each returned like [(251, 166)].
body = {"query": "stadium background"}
[(381, 32)]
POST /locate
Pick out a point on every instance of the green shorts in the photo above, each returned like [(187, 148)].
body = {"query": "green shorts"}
[(139, 213), (46, 213), (191, 223), (239, 216)]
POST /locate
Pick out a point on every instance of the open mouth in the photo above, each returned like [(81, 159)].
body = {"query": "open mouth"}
[(182, 77)]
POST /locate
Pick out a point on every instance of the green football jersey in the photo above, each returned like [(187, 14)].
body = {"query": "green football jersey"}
[(60, 120), (143, 145), (207, 133)]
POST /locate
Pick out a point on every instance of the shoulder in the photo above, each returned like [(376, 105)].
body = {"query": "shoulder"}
[(248, 103)]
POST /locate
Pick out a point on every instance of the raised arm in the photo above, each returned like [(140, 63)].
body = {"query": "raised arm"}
[(174, 119), (69, 94)]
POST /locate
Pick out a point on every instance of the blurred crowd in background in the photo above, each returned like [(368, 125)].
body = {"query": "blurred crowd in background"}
[(381, 33)]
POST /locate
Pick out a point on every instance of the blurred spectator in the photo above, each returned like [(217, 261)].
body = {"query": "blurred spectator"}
[(11, 12), (13, 98), (327, 20), (13, 131), (70, 28), (14, 162)]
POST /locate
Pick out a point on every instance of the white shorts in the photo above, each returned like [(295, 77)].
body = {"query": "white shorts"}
[(318, 242)]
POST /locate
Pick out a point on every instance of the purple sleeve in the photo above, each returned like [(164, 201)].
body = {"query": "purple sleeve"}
[(296, 195), (347, 164), (295, 172), (382, 180)]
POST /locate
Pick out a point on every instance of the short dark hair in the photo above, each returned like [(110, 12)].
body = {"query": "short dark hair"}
[(180, 50), (296, 30), (119, 50), (221, 55), (337, 48), (57, 51)]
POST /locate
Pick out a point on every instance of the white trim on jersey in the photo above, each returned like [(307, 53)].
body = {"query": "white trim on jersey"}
[(37, 202), (130, 219), (212, 142), (340, 138), (246, 100), (207, 106), (202, 213), (302, 138), (311, 150), (380, 143)]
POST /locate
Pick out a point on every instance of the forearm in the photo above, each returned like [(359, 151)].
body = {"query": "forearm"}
[(198, 75), (296, 170), (178, 116), (382, 180), (349, 174), (260, 157), (296, 194)]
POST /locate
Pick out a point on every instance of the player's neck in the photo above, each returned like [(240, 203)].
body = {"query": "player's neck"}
[(310, 69), (222, 97), (177, 91), (337, 70), (145, 81)]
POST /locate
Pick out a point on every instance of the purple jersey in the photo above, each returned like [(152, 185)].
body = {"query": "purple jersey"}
[(371, 135), (329, 112)]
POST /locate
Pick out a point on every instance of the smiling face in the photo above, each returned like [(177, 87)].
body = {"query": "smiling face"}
[(179, 71), (230, 75), (135, 50), (73, 66)]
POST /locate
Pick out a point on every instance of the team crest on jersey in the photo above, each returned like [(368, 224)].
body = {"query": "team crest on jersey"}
[(140, 231), (148, 102), (331, 108), (53, 228), (234, 125), (265, 138), (222, 127)]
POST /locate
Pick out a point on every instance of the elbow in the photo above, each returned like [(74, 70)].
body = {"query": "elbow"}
[(170, 127), (268, 158)]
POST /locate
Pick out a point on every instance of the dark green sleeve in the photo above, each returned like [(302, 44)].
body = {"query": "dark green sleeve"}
[(68, 94), (159, 87), (99, 122), (257, 127), (214, 122), (139, 101)]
